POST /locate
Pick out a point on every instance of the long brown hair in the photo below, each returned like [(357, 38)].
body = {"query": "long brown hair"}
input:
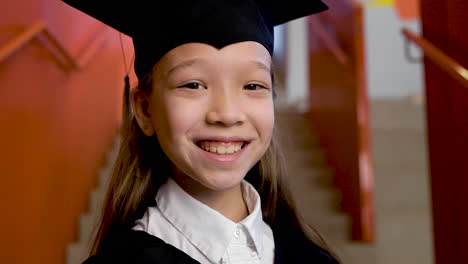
[(142, 167)]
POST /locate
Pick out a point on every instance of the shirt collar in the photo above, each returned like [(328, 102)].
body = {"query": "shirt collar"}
[(212, 237), (254, 221)]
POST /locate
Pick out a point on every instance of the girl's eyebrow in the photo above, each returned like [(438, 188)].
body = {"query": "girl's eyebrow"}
[(261, 65), (188, 63), (184, 64)]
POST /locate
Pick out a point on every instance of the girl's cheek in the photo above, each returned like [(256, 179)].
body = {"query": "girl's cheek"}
[(181, 114), (263, 115), (263, 108)]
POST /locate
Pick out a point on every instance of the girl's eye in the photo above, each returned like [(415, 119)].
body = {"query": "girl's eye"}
[(194, 86), (253, 86)]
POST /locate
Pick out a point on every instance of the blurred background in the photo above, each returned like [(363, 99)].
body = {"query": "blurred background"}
[(371, 109)]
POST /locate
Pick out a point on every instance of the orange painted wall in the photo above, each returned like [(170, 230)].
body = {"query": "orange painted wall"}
[(408, 9), (55, 127)]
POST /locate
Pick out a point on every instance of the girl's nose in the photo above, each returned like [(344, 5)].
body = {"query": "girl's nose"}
[(225, 109)]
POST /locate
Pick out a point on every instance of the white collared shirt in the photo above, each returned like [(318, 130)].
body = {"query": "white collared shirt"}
[(206, 235)]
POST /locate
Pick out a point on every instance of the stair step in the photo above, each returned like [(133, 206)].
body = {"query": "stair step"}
[(317, 159), (308, 173), (104, 175), (313, 197), (77, 253), (356, 253), (337, 228), (97, 200), (330, 219), (111, 156), (396, 114), (88, 227)]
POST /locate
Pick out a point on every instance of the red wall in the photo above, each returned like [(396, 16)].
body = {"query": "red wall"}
[(445, 26), (339, 110), (55, 127)]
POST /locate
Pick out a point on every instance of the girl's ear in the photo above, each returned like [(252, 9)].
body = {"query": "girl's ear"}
[(140, 103)]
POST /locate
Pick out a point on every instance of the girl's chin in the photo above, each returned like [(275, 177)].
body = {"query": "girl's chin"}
[(204, 181), (221, 184), (219, 181)]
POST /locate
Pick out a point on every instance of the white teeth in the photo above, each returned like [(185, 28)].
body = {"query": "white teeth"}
[(211, 149), (230, 149), (221, 149)]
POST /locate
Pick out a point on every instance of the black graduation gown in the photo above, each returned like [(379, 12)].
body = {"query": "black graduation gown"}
[(138, 247)]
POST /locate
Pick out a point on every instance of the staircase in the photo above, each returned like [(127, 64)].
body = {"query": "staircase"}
[(78, 251), (402, 194), (311, 182)]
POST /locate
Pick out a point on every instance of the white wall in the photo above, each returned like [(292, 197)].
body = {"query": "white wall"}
[(297, 78), (389, 73)]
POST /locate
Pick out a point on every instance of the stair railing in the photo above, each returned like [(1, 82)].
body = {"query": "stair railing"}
[(39, 28), (329, 41), (447, 64)]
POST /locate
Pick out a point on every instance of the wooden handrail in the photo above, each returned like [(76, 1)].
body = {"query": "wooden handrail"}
[(90, 50), (68, 57), (331, 44), (40, 27), (446, 63), (29, 34)]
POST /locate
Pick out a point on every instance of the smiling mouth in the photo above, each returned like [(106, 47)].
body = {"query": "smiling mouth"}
[(222, 148)]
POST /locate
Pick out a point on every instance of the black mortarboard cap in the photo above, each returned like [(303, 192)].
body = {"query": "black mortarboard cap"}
[(158, 26)]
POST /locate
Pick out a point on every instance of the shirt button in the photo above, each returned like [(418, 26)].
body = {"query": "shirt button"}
[(237, 233), (253, 254)]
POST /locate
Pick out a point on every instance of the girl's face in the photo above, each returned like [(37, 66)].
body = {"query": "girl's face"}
[(212, 111)]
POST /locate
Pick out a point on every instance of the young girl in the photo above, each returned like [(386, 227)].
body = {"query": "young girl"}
[(199, 177)]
